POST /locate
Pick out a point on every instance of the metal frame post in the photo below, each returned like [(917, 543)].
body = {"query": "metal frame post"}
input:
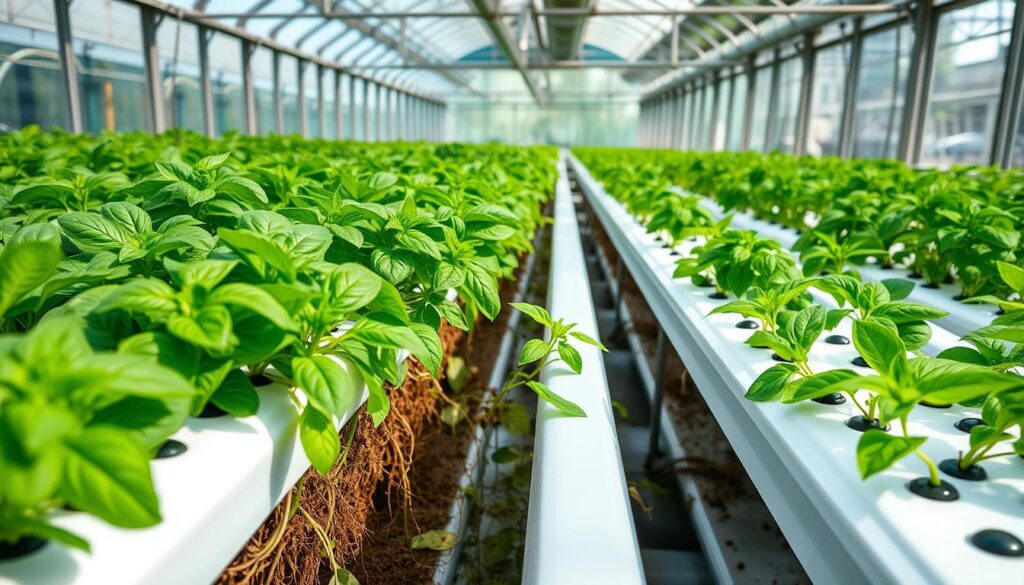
[(847, 120), (205, 83), (301, 90), (378, 113), (151, 53), (748, 107), (278, 97), (352, 126), (654, 444), (249, 90), (716, 86), (641, 124), (773, 100), (680, 115), (803, 112), (320, 110), (339, 107), (919, 78), (1011, 98), (366, 110), (729, 109), (66, 48)]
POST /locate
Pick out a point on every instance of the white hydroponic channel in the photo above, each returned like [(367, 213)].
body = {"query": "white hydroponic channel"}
[(802, 457)]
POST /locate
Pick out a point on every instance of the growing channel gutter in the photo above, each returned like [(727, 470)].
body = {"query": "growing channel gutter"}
[(476, 457), (580, 525), (212, 497), (699, 514), (802, 459)]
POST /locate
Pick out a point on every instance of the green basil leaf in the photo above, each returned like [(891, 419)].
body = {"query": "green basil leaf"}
[(319, 439), (107, 474), (236, 395), (588, 340), (570, 356), (564, 406), (534, 350), (770, 383), (328, 386), (878, 450)]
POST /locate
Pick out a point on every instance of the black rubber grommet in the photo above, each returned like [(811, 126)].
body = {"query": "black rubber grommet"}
[(861, 423), (944, 492), (170, 448), (951, 467), (998, 542), (968, 423)]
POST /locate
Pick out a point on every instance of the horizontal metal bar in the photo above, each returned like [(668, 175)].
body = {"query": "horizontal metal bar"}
[(557, 65), (204, 19), (582, 12)]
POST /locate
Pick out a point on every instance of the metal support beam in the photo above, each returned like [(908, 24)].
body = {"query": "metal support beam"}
[(748, 107), (1011, 99), (339, 107), (320, 101), (803, 112), (680, 130), (496, 28), (556, 65), (378, 113), (278, 96), (67, 65), (729, 110), (301, 98), (773, 100), (366, 110), (716, 87), (205, 83), (352, 124), (248, 89), (915, 105), (847, 121), (594, 12), (151, 56), (654, 442)]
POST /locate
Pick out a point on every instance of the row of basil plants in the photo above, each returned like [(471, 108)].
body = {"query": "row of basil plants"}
[(146, 279), (943, 225), (766, 283)]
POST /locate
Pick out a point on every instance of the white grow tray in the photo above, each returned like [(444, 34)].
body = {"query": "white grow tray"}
[(802, 457), (580, 525), (212, 498)]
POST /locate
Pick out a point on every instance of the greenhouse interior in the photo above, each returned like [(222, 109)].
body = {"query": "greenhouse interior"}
[(483, 292)]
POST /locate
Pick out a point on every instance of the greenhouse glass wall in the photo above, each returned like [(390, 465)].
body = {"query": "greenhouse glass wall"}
[(470, 292)]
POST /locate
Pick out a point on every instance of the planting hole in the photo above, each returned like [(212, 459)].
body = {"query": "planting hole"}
[(860, 423), (832, 399), (951, 467), (779, 358), (211, 410), (718, 296), (747, 324), (260, 380), (944, 492), (968, 423), (859, 362), (998, 542), (25, 545), (170, 448), (837, 340)]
